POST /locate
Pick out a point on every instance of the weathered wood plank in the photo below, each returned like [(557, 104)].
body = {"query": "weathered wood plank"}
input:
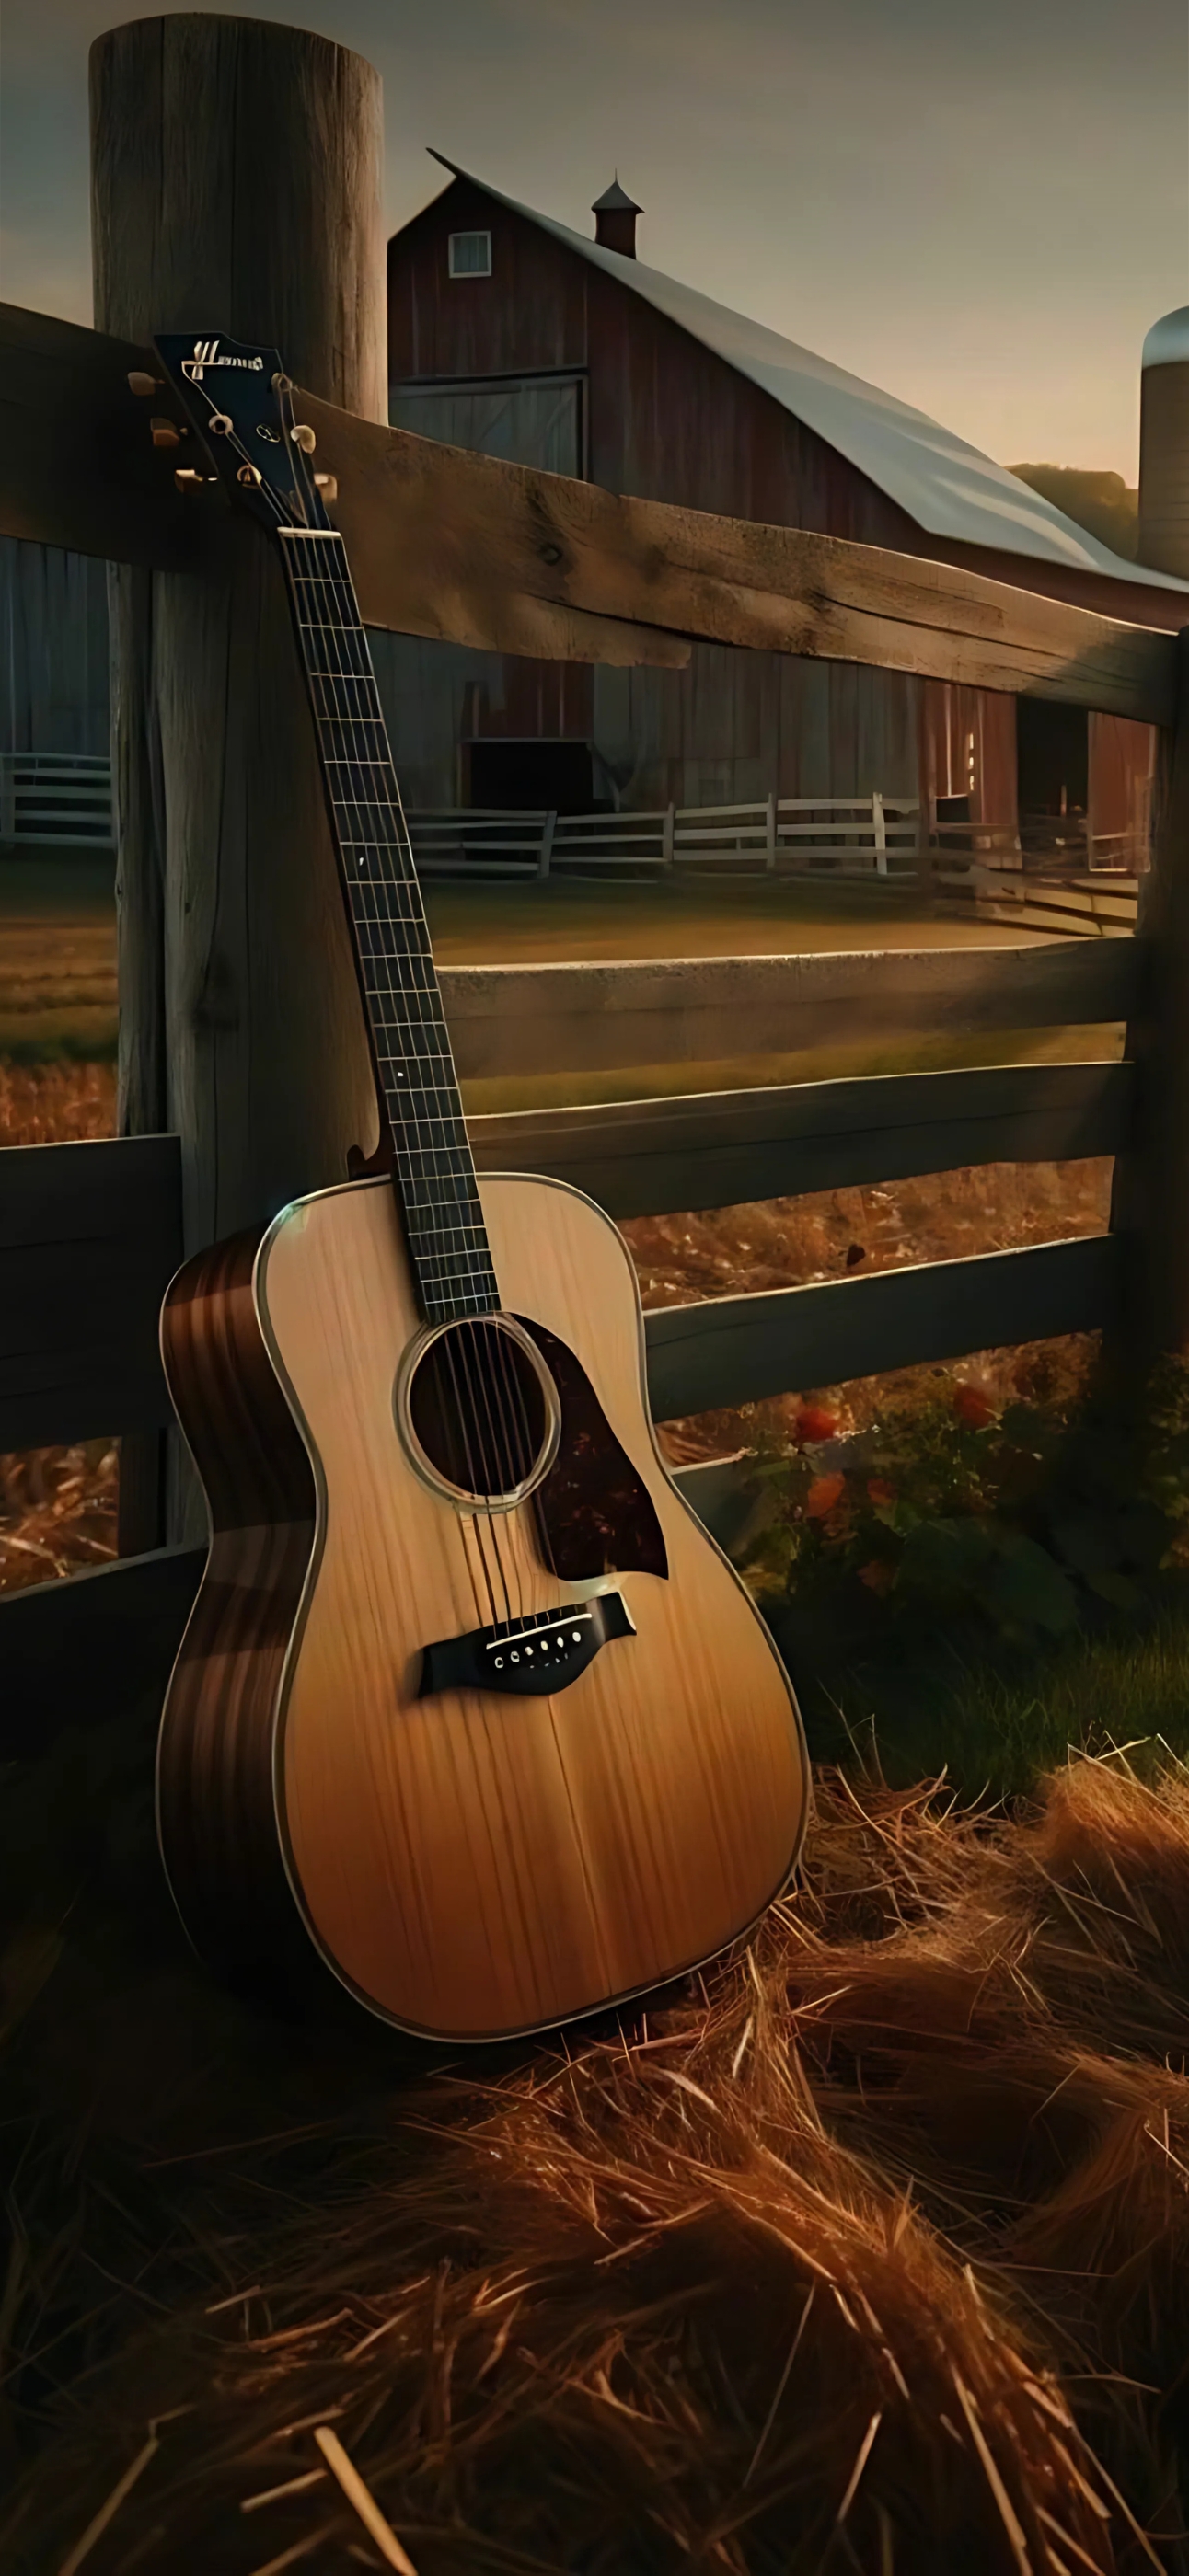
[(77, 466), (466, 548), (734, 1350), (706, 1010), (439, 537), (90, 1235), (716, 1149)]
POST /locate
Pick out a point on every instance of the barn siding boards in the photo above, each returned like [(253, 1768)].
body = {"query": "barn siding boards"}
[(737, 1350), (724, 1149), (669, 420), (90, 1236), (53, 650)]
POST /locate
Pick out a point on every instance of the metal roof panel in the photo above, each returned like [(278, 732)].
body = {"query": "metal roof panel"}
[(949, 488)]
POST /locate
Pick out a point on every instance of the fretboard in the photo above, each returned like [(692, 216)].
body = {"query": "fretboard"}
[(434, 1168)]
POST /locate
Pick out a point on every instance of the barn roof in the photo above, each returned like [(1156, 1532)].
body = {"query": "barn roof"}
[(950, 489)]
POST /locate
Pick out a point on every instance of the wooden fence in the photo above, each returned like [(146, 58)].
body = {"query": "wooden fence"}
[(474, 551), (62, 797), (90, 1233), (873, 837)]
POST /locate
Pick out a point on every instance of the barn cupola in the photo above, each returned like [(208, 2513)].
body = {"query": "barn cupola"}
[(615, 219)]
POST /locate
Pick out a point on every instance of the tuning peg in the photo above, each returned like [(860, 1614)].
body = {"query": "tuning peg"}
[(139, 383), (186, 479), (304, 437), (328, 485), (165, 433)]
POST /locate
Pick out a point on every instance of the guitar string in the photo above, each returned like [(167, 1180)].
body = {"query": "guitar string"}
[(475, 1375), (328, 576), (331, 631)]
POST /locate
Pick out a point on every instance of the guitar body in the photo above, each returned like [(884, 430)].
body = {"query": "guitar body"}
[(471, 1862)]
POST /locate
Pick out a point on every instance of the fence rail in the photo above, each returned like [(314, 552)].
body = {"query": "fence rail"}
[(61, 797), (104, 1218), (497, 558), (873, 837)]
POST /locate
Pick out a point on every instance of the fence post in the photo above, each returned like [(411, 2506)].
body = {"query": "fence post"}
[(881, 835), (770, 835), (667, 833), (550, 826), (1150, 1199), (257, 213)]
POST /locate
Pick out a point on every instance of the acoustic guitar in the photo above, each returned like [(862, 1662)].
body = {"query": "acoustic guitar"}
[(468, 1699)]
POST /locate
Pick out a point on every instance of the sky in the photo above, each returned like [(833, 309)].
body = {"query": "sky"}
[(980, 208)]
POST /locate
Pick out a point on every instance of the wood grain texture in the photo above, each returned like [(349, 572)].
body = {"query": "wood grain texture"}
[(260, 216), (706, 1010), (721, 1149), (734, 1350), (215, 1751), (475, 1864), (426, 524), (92, 1648)]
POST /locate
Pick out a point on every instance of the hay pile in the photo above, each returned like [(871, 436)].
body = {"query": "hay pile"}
[(866, 2252)]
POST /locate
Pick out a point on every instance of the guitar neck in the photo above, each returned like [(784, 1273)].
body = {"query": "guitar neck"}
[(434, 1168)]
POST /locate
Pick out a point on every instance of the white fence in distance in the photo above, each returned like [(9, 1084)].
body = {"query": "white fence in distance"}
[(865, 836), (63, 797)]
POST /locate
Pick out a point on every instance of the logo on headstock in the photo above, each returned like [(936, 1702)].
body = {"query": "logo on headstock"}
[(207, 353)]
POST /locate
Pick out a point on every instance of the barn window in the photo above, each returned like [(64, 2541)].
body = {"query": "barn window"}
[(470, 254)]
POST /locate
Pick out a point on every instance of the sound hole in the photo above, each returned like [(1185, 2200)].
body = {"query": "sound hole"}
[(482, 1411)]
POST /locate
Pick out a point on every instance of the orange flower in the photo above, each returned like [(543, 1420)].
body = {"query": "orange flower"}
[(879, 1490), (822, 1496), (877, 1575), (814, 1423), (973, 1407)]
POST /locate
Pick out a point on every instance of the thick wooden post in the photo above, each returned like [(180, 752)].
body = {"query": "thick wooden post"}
[(236, 178), (1151, 1193)]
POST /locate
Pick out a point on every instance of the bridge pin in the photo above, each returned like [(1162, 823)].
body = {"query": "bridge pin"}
[(576, 1636), (499, 1663), (514, 1659)]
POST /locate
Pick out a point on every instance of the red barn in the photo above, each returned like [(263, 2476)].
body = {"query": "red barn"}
[(511, 334)]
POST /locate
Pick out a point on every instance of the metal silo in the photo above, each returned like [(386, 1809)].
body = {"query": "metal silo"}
[(1164, 446)]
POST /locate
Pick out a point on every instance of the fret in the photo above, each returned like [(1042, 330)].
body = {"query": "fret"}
[(434, 1167)]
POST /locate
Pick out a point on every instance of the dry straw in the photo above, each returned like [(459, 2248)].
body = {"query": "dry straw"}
[(869, 2251)]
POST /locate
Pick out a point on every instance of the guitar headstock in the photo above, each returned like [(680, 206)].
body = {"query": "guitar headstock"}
[(239, 402)]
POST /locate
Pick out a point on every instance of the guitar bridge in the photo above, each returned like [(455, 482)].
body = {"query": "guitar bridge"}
[(528, 1658)]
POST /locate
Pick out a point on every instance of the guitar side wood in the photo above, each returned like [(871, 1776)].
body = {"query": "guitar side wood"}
[(469, 1865), (215, 1806)]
